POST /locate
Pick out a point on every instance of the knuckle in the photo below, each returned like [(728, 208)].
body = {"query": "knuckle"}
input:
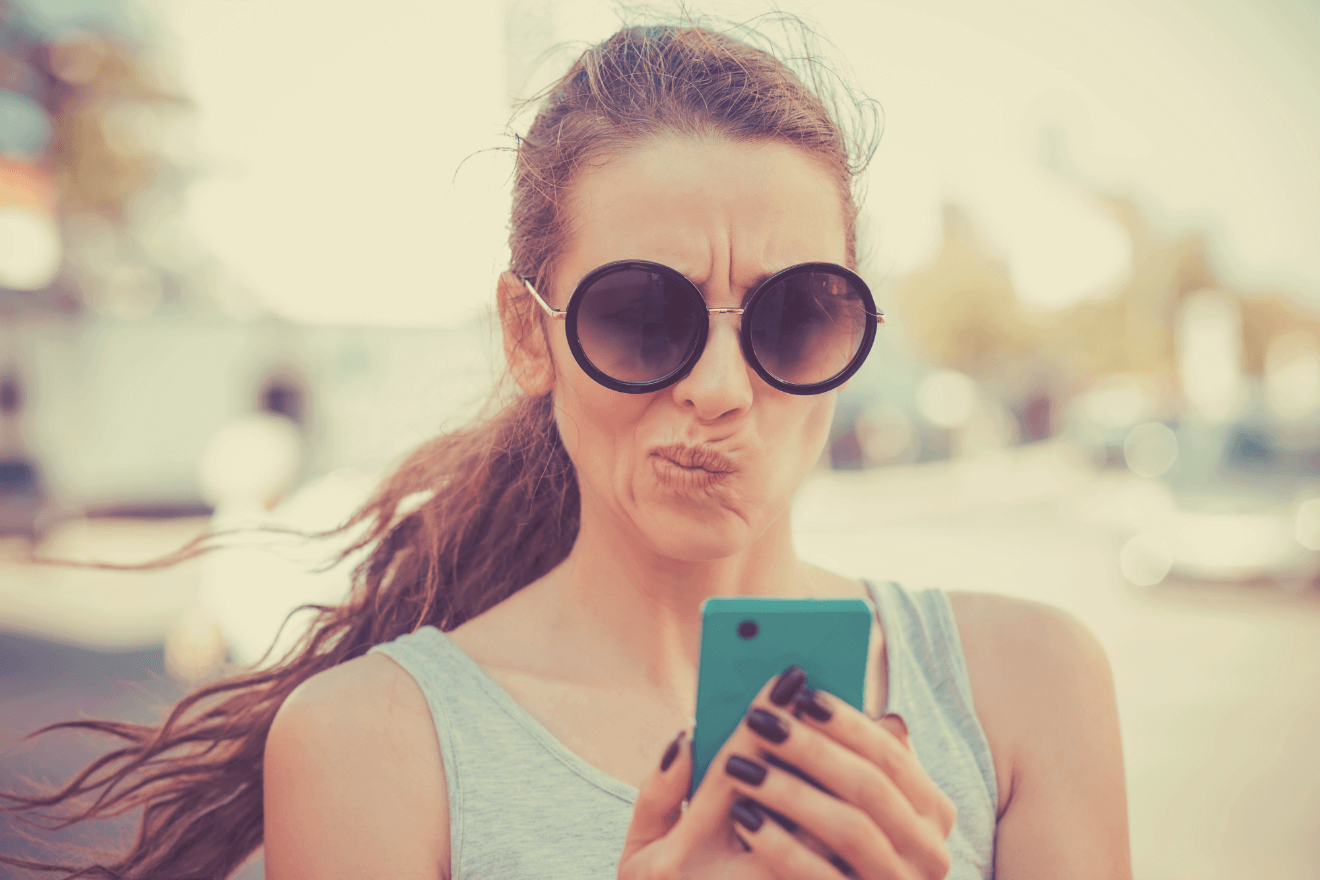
[(809, 749), (857, 826), (932, 855), (889, 761), (798, 861), (918, 851), (948, 814), (939, 862)]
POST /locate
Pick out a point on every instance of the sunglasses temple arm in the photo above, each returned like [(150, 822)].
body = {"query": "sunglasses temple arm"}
[(549, 310)]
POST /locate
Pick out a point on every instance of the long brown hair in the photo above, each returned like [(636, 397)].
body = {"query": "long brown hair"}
[(501, 497)]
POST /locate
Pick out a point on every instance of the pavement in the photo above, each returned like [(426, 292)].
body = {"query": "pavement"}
[(1218, 687)]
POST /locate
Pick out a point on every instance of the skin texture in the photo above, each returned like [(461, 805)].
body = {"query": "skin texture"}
[(656, 539)]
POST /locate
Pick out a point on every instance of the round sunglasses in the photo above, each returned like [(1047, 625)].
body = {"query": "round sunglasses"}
[(637, 327)]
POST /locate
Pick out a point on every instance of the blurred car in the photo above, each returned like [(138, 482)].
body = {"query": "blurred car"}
[(1241, 505), (1100, 419)]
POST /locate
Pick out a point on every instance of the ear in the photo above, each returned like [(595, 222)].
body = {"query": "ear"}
[(525, 345)]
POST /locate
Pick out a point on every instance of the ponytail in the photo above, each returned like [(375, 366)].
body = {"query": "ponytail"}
[(500, 510)]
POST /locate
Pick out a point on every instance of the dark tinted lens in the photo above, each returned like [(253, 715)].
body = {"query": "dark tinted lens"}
[(636, 325), (807, 328)]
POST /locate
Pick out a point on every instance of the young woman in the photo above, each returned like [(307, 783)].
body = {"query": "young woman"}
[(499, 696)]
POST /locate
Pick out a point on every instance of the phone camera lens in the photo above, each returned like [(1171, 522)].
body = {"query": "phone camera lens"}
[(748, 629)]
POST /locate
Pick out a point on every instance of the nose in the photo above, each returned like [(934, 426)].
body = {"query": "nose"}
[(720, 383)]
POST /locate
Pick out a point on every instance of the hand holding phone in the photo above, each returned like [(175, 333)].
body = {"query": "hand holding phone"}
[(851, 787), (881, 817)]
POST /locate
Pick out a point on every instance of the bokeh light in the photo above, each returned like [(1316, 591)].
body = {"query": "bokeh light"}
[(1145, 560), (946, 398), (1150, 449), (30, 250)]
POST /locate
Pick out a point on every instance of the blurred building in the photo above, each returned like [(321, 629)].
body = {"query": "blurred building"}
[(122, 357)]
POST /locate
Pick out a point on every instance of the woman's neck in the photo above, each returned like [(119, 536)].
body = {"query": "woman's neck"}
[(637, 614)]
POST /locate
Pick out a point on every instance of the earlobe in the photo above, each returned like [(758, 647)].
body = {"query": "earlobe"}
[(525, 345)]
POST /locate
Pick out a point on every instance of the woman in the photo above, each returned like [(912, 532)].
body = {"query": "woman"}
[(499, 696)]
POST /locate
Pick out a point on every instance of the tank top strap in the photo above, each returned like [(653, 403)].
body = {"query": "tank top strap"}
[(929, 687), (521, 805)]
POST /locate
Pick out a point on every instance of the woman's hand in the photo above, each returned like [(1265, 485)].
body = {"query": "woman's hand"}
[(880, 818)]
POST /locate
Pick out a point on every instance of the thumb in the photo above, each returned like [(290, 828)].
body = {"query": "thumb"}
[(660, 800)]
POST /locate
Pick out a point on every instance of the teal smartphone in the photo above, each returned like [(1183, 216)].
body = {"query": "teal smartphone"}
[(747, 641)]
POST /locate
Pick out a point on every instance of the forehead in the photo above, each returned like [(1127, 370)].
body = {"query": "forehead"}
[(709, 208)]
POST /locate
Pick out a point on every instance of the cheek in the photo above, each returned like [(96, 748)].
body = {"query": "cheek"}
[(595, 423), (811, 426)]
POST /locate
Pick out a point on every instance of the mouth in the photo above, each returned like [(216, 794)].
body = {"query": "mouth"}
[(691, 467)]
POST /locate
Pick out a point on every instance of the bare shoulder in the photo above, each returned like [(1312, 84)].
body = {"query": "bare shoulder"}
[(354, 782), (1024, 658), (1044, 694), (1008, 636), (363, 687)]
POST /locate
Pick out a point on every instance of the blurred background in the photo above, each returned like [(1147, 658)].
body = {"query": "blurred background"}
[(247, 253)]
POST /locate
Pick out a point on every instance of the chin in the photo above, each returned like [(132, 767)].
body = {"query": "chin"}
[(704, 536)]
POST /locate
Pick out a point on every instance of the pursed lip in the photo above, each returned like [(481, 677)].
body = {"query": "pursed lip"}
[(696, 458)]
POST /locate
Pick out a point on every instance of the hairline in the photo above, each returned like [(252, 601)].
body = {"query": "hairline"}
[(623, 147)]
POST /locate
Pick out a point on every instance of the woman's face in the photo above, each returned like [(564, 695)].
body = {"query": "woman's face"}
[(701, 469)]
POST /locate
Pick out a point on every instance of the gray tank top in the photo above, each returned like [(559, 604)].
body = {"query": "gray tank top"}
[(521, 805)]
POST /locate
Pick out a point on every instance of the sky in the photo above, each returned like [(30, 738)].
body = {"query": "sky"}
[(355, 159)]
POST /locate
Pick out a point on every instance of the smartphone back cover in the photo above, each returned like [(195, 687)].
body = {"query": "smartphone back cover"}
[(828, 638)]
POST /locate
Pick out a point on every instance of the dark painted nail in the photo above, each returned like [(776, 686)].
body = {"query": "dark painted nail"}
[(749, 772), (767, 725), (672, 752), (807, 704), (747, 813), (844, 868), (790, 682)]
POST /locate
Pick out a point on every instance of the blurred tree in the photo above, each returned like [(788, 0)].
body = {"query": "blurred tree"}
[(1133, 331), (962, 311), (108, 125), (108, 170)]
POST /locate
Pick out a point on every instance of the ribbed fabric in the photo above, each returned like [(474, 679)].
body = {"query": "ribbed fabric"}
[(523, 806)]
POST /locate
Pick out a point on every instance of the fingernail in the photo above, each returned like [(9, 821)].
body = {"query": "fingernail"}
[(767, 725), (790, 682), (749, 772), (747, 813), (807, 704), (672, 752), (895, 718)]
